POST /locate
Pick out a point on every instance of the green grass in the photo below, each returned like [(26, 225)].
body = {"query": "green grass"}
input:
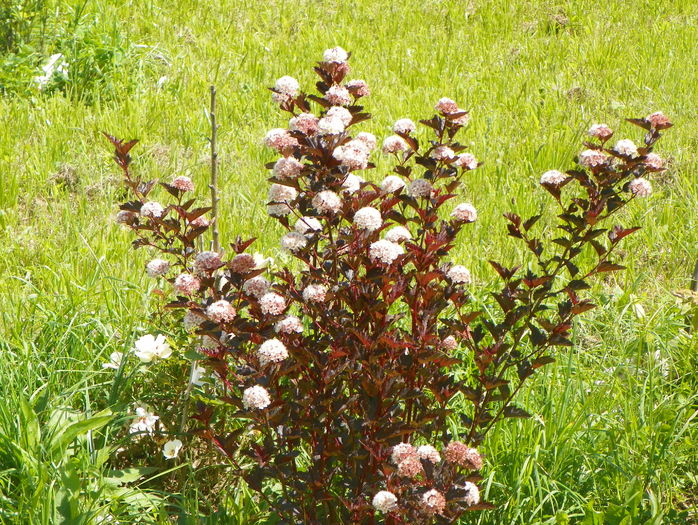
[(611, 429)]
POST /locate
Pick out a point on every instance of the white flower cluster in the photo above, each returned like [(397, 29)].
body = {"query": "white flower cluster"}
[(352, 183), (368, 219), (367, 138), (192, 320), (658, 119), (467, 160), (385, 501), (256, 398), (280, 197), (420, 188), (335, 55), (404, 126), (207, 261), (592, 158), (293, 242), (446, 106), (330, 126), (401, 451), (306, 123), (272, 304), (279, 139), (626, 147), (449, 343), (152, 209), (354, 154), (552, 178), (271, 351), (654, 161), (186, 284), (287, 88), (315, 293), (359, 88), (600, 131), (398, 234), (338, 96), (182, 183), (308, 225), (341, 113), (287, 168), (464, 212), (221, 311), (157, 267), (429, 453), (289, 325), (392, 183), (327, 202), (385, 252), (257, 286), (282, 193), (395, 144), (242, 263), (459, 275), (433, 501), (442, 153), (640, 187)]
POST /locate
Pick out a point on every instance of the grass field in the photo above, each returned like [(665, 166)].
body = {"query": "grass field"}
[(615, 433)]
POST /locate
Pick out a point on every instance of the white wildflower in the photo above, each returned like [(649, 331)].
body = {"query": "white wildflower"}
[(171, 449), (115, 360), (149, 347)]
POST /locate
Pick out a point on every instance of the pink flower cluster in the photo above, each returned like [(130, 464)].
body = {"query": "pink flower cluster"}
[(306, 123), (182, 183), (410, 463), (221, 311), (280, 140), (450, 109), (242, 263), (461, 454), (354, 154)]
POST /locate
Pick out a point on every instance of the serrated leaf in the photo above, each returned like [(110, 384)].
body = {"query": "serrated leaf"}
[(512, 411), (609, 267), (542, 361), (530, 222), (578, 284)]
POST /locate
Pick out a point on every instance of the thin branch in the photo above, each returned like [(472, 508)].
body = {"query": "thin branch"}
[(214, 172)]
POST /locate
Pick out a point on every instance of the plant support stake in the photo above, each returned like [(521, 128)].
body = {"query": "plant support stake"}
[(214, 171)]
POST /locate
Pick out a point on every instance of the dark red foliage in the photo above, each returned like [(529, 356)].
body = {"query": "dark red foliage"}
[(373, 366)]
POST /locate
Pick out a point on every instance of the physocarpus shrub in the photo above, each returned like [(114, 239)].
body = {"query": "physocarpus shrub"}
[(333, 379)]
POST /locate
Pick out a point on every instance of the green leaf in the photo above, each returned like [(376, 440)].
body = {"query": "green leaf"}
[(118, 478), (32, 433), (591, 516), (62, 438)]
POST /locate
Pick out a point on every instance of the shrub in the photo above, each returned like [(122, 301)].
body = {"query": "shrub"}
[(334, 381)]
